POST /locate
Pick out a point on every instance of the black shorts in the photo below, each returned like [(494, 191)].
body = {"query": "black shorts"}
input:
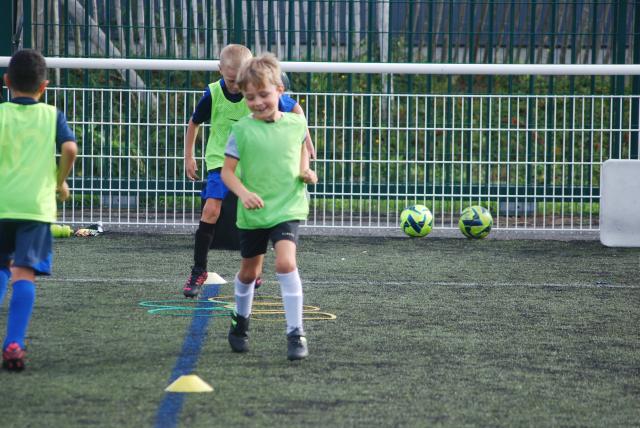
[(253, 242)]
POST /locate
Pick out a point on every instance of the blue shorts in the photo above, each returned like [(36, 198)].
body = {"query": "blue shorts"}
[(28, 243), (214, 188)]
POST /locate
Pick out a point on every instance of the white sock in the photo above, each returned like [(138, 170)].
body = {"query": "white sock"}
[(291, 288), (244, 297)]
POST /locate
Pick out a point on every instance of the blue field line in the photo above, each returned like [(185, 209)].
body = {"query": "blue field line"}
[(171, 405)]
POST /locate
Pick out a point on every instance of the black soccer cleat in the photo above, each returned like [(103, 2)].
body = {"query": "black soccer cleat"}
[(238, 337), (297, 345), (13, 357), (193, 286)]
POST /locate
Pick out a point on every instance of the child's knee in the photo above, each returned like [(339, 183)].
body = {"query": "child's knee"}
[(210, 212), (247, 276), (23, 273), (285, 265)]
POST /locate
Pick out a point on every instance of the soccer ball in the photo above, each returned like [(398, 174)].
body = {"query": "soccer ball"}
[(475, 222), (416, 221)]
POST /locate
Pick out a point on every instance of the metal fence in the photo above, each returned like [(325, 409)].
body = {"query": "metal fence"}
[(410, 31), (490, 31), (534, 160)]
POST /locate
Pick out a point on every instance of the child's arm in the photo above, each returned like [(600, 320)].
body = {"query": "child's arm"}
[(307, 140), (69, 149), (306, 174), (249, 199), (190, 164)]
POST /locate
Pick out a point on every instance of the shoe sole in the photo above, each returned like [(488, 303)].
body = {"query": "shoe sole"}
[(13, 365), (300, 354), (192, 294), (238, 345), (297, 356), (13, 360)]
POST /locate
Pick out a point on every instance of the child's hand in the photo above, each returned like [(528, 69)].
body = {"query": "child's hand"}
[(63, 191), (309, 176), (191, 168), (251, 201)]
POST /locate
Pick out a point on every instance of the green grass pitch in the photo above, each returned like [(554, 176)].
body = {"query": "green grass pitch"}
[(429, 332)]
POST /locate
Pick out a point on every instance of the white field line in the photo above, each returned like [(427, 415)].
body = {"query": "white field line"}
[(179, 281)]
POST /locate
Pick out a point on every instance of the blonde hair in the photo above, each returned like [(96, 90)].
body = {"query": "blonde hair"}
[(232, 56), (260, 71)]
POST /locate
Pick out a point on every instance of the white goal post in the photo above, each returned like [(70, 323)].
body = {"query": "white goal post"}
[(351, 67)]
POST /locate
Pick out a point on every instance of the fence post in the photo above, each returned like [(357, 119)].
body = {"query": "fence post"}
[(6, 30), (635, 103), (291, 29), (26, 24), (619, 51), (237, 22), (6, 40)]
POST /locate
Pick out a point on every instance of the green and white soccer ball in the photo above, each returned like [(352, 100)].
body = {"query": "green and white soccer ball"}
[(475, 222), (416, 221)]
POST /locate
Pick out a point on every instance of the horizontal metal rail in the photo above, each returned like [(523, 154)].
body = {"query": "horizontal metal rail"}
[(351, 67)]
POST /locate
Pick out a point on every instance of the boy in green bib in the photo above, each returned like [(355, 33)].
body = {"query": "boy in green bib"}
[(30, 135), (269, 147), (225, 107), (222, 105)]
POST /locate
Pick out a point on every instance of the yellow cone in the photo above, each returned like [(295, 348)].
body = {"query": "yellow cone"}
[(214, 278), (189, 383)]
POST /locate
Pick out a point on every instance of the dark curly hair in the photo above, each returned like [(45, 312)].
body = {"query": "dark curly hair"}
[(27, 70)]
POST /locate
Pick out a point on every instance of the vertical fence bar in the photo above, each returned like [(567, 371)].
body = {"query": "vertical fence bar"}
[(411, 15), (65, 47), (186, 23), (531, 101), (249, 39), (291, 29), (449, 102), (594, 45), (330, 34), (350, 37), (489, 110), (620, 37), (311, 7), (471, 48), (634, 139), (549, 135), (574, 45), (428, 107), (389, 37), (43, 27), (229, 10), (270, 25), (449, 45), (489, 46), (7, 28), (512, 31), (27, 25), (148, 28), (468, 114), (552, 45), (169, 48), (208, 30), (430, 46)]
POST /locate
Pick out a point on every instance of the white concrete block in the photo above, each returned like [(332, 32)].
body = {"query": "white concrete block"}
[(620, 203)]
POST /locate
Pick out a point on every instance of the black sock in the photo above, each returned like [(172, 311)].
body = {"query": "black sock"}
[(204, 236)]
